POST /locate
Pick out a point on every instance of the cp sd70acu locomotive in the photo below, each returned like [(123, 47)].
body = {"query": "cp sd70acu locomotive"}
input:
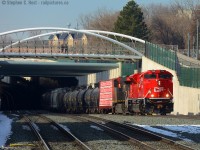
[(144, 93)]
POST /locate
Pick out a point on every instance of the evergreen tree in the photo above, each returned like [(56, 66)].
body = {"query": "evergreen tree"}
[(131, 21)]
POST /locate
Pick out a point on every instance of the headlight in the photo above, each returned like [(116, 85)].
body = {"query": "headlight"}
[(167, 95), (152, 95)]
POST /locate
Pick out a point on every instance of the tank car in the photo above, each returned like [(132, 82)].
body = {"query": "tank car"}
[(81, 105), (67, 101), (54, 104), (56, 99), (46, 103), (87, 98), (94, 99), (59, 99), (74, 101)]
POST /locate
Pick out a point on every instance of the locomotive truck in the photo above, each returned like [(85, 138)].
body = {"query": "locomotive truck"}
[(144, 93)]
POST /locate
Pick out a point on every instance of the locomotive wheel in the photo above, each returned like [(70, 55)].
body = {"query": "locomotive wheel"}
[(113, 109), (162, 112), (123, 108), (87, 111), (142, 108), (92, 111)]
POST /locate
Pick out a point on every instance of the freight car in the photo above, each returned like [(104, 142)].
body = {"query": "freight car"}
[(145, 93)]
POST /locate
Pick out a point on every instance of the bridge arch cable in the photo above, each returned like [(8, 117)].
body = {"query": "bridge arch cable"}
[(88, 32)]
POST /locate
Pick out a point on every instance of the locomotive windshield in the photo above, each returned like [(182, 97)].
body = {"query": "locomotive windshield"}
[(150, 76), (165, 76)]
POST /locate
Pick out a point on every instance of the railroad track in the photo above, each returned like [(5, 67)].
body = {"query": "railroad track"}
[(52, 136), (143, 138), (117, 134)]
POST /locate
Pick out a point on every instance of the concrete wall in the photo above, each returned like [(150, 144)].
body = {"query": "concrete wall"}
[(96, 77), (186, 99)]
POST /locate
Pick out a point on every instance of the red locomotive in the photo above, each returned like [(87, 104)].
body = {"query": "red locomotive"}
[(145, 93)]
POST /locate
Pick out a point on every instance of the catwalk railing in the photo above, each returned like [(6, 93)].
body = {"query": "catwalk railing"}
[(47, 48)]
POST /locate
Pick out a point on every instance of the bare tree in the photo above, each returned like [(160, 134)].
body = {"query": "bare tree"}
[(102, 19), (190, 10), (169, 25)]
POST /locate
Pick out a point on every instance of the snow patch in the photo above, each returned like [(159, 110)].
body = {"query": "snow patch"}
[(25, 127), (168, 133), (5, 128), (97, 128), (36, 127), (55, 128), (65, 127)]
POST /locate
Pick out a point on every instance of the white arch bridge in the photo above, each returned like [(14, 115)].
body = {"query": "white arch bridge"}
[(52, 44)]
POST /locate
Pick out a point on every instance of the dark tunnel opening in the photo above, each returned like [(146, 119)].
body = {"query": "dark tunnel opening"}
[(22, 94)]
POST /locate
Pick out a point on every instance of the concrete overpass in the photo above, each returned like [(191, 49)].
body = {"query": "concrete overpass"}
[(32, 55), (48, 68)]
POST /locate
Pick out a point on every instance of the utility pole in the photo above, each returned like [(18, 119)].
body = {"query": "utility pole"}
[(197, 52), (188, 44), (77, 26), (69, 25)]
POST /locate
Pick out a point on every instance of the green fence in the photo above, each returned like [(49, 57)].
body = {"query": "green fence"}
[(128, 68), (161, 55), (188, 75)]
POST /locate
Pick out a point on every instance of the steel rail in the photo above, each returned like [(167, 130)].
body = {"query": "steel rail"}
[(68, 133), (133, 141), (42, 143)]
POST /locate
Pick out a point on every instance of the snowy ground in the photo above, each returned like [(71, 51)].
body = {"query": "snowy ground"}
[(5, 128), (174, 130)]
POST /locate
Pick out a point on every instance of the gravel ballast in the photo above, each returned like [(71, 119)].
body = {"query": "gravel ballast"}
[(96, 139)]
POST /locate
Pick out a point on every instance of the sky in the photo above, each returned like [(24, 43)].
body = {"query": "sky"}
[(176, 131), (18, 14)]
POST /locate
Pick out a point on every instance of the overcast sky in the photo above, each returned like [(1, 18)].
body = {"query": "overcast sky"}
[(36, 13)]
